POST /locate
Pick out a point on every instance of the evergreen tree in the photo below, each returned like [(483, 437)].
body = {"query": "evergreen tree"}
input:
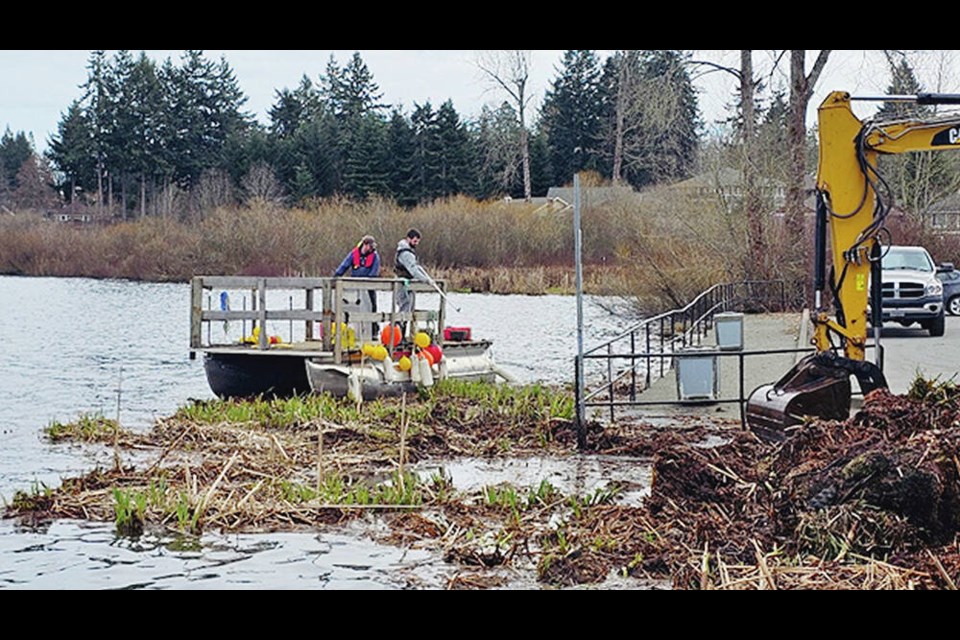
[(452, 143), (426, 156), (677, 142), (541, 173), (245, 149), (571, 116), (136, 136), (206, 102), (365, 167), (314, 161), (918, 178), (350, 92), (351, 96), (71, 150), (118, 135), (294, 108), (401, 147), (15, 150), (96, 108)]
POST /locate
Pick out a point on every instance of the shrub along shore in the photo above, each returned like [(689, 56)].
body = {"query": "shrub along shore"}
[(489, 247)]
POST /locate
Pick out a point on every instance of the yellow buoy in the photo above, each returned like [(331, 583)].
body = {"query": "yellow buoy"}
[(379, 352), (422, 340), (404, 364)]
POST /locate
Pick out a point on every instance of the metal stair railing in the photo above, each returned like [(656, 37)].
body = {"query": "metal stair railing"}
[(659, 338)]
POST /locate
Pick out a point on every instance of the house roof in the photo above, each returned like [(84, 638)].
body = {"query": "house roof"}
[(729, 177), (593, 195), (949, 204)]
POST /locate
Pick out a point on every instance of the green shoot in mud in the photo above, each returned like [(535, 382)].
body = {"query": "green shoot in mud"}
[(184, 512), (502, 496), (87, 428), (130, 509), (38, 498), (530, 401), (543, 495), (400, 489), (600, 495), (441, 484), (507, 497)]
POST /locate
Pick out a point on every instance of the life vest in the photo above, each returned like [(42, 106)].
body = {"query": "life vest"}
[(398, 266), (359, 260)]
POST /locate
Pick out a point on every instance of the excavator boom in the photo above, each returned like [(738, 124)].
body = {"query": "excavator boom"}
[(850, 214)]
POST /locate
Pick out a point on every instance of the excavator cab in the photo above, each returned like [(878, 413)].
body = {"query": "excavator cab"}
[(850, 205)]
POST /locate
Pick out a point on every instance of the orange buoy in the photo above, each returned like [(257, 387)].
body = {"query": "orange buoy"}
[(389, 332), (426, 355)]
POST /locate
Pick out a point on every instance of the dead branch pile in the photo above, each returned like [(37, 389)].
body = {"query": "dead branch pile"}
[(871, 502)]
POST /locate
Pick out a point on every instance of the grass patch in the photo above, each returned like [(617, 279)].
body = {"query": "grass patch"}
[(93, 427)]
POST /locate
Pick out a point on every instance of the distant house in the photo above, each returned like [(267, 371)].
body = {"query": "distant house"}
[(726, 184), (591, 195), (944, 215), (542, 201), (78, 214)]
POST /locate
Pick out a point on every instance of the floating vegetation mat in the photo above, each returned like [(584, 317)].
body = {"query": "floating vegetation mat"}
[(872, 502)]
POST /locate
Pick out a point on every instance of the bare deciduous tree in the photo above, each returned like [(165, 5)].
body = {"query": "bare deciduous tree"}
[(801, 90), (510, 71), (749, 168), (33, 185), (644, 107), (213, 190), (261, 184)]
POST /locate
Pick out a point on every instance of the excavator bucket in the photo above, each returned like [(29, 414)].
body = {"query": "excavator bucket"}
[(818, 385)]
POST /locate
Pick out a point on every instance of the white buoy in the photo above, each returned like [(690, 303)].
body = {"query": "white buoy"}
[(354, 391), (389, 373), (414, 368), (426, 374)]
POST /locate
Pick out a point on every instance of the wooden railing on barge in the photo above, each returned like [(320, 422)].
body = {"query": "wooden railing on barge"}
[(305, 312)]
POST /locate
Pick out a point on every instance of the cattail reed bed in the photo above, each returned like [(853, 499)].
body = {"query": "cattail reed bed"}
[(869, 503)]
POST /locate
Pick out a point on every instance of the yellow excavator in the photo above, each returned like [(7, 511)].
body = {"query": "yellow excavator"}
[(853, 201)]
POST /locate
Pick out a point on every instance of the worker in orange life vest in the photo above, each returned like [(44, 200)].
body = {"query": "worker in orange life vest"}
[(363, 261)]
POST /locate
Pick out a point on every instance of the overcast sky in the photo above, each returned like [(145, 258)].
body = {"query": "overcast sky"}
[(38, 85)]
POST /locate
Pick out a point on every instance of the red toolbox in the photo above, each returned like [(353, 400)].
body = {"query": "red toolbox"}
[(456, 334)]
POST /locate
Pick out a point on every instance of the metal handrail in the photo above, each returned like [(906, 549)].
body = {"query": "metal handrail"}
[(662, 335)]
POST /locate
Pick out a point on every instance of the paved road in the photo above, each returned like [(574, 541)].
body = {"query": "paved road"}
[(908, 352), (911, 351)]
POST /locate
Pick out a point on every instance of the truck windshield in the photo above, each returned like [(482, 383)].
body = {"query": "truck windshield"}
[(899, 259)]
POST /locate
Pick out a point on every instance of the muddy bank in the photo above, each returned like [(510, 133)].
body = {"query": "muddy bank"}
[(869, 503)]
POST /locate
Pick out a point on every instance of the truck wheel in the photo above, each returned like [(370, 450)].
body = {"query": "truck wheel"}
[(937, 326)]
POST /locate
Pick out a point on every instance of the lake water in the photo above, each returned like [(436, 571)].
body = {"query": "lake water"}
[(74, 346)]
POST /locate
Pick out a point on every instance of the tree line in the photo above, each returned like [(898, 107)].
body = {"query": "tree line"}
[(148, 138)]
